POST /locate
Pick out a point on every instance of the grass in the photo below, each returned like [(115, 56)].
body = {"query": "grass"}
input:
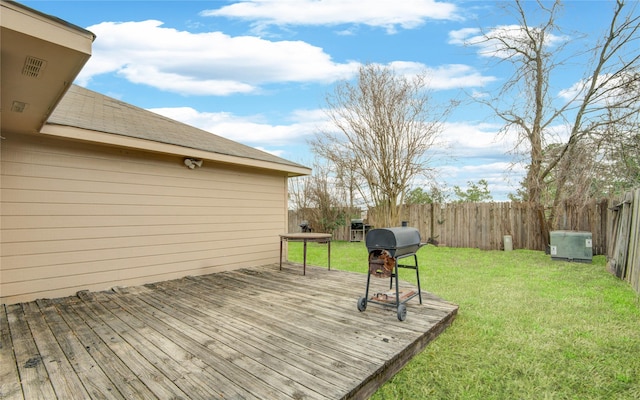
[(528, 327)]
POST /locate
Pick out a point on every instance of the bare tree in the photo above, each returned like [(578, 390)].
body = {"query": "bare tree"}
[(348, 180), (319, 200), (605, 97), (385, 124), (298, 195)]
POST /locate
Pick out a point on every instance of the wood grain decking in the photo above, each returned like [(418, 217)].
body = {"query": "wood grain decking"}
[(256, 333)]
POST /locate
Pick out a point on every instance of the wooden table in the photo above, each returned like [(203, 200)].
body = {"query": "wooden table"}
[(307, 237)]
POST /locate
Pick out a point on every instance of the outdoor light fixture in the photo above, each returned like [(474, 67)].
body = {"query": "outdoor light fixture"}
[(192, 163)]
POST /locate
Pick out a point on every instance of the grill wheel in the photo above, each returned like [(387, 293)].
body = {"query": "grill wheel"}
[(402, 312), (362, 304)]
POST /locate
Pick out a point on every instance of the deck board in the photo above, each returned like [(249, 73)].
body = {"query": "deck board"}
[(243, 337), (251, 333), (106, 359), (9, 378), (33, 376), (63, 378), (93, 379)]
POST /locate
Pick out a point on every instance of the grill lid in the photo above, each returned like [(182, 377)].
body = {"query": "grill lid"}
[(398, 241)]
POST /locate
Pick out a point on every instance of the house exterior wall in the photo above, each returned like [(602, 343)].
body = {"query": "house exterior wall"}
[(77, 216)]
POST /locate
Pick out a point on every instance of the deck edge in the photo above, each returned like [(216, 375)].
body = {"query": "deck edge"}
[(374, 381)]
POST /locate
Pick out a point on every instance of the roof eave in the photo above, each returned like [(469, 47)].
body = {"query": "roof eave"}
[(41, 56), (73, 133)]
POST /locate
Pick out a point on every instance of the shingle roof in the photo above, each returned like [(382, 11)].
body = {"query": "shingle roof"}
[(86, 109)]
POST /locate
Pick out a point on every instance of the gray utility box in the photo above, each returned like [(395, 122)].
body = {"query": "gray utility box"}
[(571, 246)]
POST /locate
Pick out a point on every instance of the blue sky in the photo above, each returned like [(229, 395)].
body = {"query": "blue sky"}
[(258, 71)]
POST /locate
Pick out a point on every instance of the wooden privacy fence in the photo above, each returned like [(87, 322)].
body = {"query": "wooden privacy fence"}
[(475, 225), (484, 225), (624, 248), (614, 226)]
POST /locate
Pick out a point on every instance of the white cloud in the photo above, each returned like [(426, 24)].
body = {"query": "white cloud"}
[(182, 84), (210, 63), (278, 153), (461, 36), (477, 139), (213, 63), (574, 92), (610, 89), (489, 46), (457, 76), (449, 76), (387, 14), (557, 133), (480, 152)]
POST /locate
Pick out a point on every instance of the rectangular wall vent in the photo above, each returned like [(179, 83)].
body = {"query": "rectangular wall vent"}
[(33, 67)]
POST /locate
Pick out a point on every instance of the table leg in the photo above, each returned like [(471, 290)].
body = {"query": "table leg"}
[(329, 254), (304, 264), (280, 254)]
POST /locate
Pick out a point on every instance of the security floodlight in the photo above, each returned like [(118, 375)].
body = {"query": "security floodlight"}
[(192, 163)]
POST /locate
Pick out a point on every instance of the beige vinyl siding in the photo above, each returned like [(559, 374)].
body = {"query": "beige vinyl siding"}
[(82, 217)]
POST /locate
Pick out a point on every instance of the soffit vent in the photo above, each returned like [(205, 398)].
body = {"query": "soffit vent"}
[(18, 106), (33, 67)]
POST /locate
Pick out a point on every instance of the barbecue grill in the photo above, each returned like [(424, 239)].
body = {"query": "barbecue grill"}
[(304, 226), (386, 247), (358, 230)]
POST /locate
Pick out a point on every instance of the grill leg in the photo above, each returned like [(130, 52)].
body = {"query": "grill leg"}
[(397, 287), (304, 258), (366, 293), (415, 257)]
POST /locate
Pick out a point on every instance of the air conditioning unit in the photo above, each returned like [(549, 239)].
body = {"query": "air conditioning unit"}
[(571, 246)]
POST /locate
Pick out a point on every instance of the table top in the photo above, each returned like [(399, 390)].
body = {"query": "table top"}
[(305, 236)]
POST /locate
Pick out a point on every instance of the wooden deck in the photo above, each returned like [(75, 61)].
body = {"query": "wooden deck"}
[(254, 333)]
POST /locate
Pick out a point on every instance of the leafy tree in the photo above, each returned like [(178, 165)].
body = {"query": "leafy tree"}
[(420, 196), (474, 193)]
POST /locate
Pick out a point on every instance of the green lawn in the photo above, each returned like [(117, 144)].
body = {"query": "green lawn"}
[(527, 328)]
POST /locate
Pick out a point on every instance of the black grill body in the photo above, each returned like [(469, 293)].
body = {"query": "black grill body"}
[(399, 242), (387, 246), (304, 227)]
